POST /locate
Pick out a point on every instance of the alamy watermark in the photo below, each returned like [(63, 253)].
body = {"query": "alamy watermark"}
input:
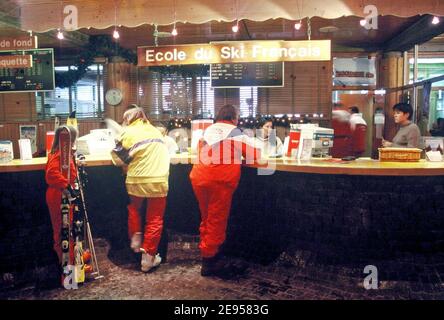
[(371, 18), (227, 151), (71, 20), (70, 281), (371, 281)]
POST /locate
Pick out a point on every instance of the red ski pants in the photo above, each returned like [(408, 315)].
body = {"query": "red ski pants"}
[(154, 221), (54, 200), (214, 204)]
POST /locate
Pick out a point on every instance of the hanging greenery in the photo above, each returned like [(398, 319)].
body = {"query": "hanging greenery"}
[(98, 46), (245, 122)]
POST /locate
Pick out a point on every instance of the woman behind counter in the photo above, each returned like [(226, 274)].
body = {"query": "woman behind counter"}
[(408, 135), (266, 138)]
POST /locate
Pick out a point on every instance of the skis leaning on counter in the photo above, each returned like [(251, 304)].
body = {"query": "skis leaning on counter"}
[(89, 255), (65, 208), (76, 252)]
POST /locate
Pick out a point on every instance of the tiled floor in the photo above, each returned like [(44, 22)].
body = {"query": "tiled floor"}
[(290, 277)]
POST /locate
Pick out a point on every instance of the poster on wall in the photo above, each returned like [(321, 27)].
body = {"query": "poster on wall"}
[(6, 151), (354, 71), (29, 132)]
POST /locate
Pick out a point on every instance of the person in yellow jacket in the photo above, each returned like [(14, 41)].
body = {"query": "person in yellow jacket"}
[(147, 179)]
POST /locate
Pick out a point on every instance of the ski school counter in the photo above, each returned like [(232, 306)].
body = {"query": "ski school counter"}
[(341, 211)]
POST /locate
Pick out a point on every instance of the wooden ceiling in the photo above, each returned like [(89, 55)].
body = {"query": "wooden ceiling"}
[(349, 32)]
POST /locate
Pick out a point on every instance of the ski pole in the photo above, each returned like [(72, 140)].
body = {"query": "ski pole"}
[(88, 227)]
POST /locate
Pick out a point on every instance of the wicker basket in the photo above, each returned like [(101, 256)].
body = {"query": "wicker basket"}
[(399, 154)]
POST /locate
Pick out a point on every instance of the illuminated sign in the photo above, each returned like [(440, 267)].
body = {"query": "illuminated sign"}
[(15, 62), (18, 43), (235, 52)]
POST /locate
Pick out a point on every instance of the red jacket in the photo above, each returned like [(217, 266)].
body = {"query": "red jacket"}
[(54, 177), (220, 155)]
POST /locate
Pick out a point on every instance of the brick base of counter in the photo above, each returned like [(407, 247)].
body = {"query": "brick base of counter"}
[(338, 217), (334, 218)]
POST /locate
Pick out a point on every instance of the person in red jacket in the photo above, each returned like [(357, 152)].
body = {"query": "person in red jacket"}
[(214, 179), (58, 184)]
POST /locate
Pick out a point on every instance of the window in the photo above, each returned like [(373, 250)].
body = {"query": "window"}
[(248, 101), (428, 68), (172, 94), (205, 97), (86, 96)]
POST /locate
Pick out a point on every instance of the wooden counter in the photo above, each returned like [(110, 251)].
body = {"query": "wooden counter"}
[(362, 166)]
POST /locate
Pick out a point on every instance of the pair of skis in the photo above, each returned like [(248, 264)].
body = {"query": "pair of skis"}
[(73, 222), (81, 177)]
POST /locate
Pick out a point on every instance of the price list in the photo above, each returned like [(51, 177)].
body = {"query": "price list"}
[(251, 74), (40, 77)]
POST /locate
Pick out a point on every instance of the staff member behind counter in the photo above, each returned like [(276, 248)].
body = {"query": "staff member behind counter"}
[(266, 138), (408, 135)]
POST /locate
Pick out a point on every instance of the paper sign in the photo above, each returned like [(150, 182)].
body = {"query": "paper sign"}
[(25, 149)]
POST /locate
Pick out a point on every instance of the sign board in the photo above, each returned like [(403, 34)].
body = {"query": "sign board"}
[(249, 74), (39, 77), (354, 71), (16, 62), (29, 132), (235, 52), (18, 43)]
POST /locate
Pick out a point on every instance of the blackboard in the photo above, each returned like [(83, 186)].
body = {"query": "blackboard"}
[(251, 74), (38, 78)]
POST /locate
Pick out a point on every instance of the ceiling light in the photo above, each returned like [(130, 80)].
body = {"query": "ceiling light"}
[(435, 20), (116, 34), (363, 22), (235, 28), (174, 32), (380, 91), (60, 35), (298, 25)]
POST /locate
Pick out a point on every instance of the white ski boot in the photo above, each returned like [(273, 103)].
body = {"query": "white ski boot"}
[(136, 242), (148, 261)]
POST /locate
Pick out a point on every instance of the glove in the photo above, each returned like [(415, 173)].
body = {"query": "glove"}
[(72, 193), (81, 160)]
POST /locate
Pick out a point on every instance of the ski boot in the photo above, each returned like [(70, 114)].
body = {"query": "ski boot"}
[(148, 261)]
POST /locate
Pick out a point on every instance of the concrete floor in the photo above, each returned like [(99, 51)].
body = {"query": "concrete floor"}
[(288, 278)]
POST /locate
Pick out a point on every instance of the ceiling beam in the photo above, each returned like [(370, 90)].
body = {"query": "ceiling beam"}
[(419, 32)]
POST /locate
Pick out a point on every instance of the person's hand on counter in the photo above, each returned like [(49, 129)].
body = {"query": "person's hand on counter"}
[(386, 143)]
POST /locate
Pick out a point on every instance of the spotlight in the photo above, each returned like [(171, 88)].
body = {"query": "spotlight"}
[(298, 25), (174, 32), (60, 35), (363, 22), (116, 34), (435, 20), (235, 28)]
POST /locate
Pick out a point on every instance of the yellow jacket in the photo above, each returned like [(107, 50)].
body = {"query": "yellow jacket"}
[(151, 160)]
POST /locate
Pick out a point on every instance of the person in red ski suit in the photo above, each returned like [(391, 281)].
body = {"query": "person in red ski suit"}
[(214, 179), (58, 184)]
